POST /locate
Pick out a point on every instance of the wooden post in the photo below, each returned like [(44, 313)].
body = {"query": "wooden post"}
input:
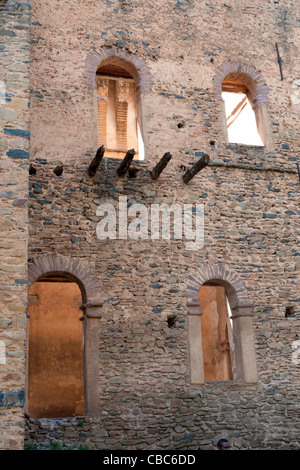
[(160, 166), (198, 166), (126, 162), (96, 161)]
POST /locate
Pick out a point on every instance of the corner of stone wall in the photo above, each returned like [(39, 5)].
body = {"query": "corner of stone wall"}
[(14, 146)]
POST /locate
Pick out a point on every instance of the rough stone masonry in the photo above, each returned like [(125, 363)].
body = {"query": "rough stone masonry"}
[(138, 389), (14, 147)]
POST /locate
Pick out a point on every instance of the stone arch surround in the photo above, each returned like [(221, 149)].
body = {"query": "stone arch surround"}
[(252, 78), (136, 66), (222, 275), (56, 264), (244, 368)]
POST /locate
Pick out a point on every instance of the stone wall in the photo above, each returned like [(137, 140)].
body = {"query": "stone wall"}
[(251, 202), (14, 147), (145, 396)]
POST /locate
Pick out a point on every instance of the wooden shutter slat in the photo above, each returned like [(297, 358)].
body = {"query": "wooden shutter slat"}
[(102, 113), (122, 108)]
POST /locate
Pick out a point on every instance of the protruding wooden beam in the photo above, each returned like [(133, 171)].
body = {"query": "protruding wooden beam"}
[(96, 161), (161, 165), (298, 168), (279, 60), (126, 162), (198, 166)]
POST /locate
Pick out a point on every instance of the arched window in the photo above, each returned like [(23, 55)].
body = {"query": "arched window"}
[(118, 127), (244, 94), (119, 80), (221, 343), (241, 120)]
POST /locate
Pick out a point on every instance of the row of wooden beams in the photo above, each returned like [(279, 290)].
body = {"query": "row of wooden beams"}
[(157, 170)]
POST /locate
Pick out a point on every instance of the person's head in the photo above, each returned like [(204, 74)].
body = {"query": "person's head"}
[(223, 444)]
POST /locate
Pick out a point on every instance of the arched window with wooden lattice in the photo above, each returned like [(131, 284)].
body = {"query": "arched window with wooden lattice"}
[(118, 129)]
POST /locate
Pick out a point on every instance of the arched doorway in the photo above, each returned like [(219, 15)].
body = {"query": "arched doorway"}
[(62, 337), (55, 350), (216, 331)]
